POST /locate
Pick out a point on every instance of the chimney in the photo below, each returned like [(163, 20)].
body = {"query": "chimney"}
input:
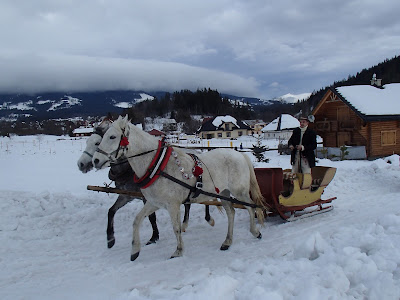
[(376, 82)]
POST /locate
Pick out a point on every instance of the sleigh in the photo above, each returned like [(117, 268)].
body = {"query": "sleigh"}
[(290, 196), (293, 196)]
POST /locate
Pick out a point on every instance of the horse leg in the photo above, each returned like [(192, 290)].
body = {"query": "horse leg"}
[(153, 221), (175, 214), (185, 222), (147, 209), (253, 228), (155, 236), (230, 212), (120, 202), (208, 217)]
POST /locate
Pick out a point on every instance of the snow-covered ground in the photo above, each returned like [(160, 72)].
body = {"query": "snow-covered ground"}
[(53, 239)]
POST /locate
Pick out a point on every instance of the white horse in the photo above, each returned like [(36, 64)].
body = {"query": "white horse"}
[(227, 171), (122, 174)]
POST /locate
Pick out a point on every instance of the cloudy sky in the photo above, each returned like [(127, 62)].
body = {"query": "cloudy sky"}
[(246, 48)]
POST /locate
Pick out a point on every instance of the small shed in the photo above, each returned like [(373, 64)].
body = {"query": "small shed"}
[(82, 131), (361, 115), (281, 128)]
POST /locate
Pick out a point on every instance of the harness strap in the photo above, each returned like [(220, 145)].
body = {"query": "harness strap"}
[(87, 153), (158, 163), (199, 177), (193, 189)]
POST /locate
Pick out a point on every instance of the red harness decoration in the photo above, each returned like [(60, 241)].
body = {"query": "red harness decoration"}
[(124, 141), (147, 180)]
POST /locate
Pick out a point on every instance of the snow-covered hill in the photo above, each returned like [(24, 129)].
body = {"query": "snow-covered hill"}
[(291, 98), (67, 105)]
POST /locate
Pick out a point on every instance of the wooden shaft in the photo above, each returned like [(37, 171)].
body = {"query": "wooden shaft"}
[(112, 190)]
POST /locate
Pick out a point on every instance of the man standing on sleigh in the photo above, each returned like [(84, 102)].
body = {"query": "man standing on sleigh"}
[(302, 143)]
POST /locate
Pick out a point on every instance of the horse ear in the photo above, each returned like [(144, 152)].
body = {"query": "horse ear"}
[(126, 130), (124, 121)]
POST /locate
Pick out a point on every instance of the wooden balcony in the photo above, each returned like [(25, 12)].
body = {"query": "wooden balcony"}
[(323, 126), (334, 126)]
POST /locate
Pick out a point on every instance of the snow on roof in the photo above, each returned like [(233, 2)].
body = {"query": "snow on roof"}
[(224, 119), (287, 122), (370, 100), (83, 130)]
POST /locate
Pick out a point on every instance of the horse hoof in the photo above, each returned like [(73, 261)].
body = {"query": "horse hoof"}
[(175, 255), (134, 256), (110, 243), (224, 247), (184, 226), (152, 241), (259, 236)]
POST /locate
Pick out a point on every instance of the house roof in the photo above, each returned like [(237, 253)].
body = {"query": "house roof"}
[(253, 122), (81, 130), (156, 132), (217, 124), (371, 103), (283, 122)]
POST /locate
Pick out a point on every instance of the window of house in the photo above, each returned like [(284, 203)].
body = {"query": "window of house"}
[(388, 137), (240, 133), (220, 134), (228, 134), (226, 126)]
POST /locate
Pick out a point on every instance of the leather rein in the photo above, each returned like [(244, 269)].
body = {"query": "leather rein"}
[(156, 169)]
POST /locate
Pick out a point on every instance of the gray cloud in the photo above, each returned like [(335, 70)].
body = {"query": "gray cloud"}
[(249, 48)]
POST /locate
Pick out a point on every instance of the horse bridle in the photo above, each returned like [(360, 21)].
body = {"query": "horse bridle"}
[(109, 155), (100, 135)]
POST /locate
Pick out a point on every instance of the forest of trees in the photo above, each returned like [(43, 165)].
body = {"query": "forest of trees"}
[(181, 105), (185, 103)]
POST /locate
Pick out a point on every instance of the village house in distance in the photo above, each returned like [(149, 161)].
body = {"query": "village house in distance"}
[(225, 127), (281, 128)]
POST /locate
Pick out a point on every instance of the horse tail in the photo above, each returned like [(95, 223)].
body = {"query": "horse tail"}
[(255, 192)]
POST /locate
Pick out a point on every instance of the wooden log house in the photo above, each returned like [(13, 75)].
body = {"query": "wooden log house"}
[(361, 115)]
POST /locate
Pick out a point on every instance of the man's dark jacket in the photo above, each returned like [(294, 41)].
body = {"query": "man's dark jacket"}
[(309, 143)]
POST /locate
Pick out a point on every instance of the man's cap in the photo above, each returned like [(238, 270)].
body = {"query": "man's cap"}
[(309, 118)]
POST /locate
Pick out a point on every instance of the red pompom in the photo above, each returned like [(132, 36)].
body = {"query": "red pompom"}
[(197, 171), (124, 141), (217, 190)]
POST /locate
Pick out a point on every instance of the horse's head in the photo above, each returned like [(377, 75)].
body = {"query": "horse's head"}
[(114, 141), (85, 161)]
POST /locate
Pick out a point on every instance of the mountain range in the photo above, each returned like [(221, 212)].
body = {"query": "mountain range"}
[(71, 105)]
